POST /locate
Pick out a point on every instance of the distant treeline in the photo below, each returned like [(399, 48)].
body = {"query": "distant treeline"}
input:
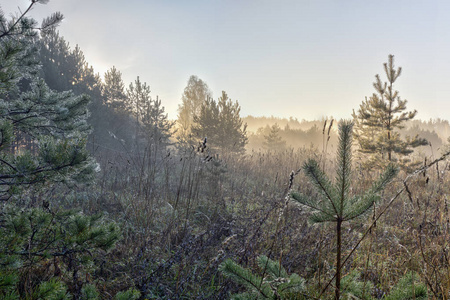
[(307, 133)]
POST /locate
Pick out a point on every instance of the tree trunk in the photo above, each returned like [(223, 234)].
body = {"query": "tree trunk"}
[(338, 258), (389, 146)]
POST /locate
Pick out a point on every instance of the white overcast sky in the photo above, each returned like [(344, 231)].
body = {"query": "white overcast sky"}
[(305, 58)]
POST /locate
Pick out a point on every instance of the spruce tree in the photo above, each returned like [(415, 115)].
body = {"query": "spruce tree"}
[(381, 116), (334, 201)]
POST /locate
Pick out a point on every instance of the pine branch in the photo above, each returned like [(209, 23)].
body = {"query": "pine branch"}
[(308, 202), (274, 268), (320, 180), (13, 26), (244, 277)]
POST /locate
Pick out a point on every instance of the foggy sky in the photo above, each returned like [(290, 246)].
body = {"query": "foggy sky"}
[(306, 59)]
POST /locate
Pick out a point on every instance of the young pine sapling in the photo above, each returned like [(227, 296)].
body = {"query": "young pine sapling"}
[(335, 202)]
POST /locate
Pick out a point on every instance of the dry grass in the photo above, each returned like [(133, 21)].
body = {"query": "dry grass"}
[(195, 212)]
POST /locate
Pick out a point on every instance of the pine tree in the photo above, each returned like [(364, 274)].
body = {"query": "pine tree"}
[(55, 123), (58, 63), (206, 124), (152, 122), (130, 294), (408, 288), (152, 133), (276, 284), (221, 124), (86, 81), (334, 202), (273, 140), (381, 116), (40, 236), (114, 90), (138, 98), (64, 69), (195, 94), (156, 123), (117, 110)]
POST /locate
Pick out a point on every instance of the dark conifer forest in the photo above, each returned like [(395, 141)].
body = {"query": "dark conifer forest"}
[(103, 196)]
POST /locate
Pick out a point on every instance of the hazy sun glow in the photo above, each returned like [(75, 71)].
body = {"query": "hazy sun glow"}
[(305, 59)]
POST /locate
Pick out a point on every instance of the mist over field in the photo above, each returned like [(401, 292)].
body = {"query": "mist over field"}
[(224, 150)]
